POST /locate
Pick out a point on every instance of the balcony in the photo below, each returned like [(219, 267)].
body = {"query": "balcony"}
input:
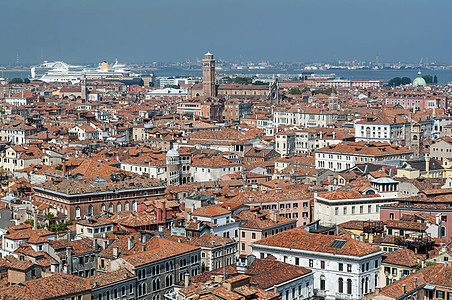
[(320, 293), (343, 296)]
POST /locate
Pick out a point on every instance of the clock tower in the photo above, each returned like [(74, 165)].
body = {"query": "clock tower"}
[(209, 87)]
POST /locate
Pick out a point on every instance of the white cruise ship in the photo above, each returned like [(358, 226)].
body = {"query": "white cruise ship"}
[(59, 71)]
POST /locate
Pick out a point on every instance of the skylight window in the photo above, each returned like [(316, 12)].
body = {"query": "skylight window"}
[(338, 244)]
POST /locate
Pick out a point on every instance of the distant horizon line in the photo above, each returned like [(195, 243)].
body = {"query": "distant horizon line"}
[(242, 61)]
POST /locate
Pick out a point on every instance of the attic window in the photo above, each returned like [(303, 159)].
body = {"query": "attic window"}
[(338, 244)]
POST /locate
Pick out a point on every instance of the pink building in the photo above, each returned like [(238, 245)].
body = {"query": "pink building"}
[(291, 204), (257, 224), (421, 103)]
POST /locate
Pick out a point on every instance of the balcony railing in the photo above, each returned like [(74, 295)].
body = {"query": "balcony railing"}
[(343, 296), (320, 293)]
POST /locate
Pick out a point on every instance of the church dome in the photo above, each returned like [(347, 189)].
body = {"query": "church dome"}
[(419, 81), (172, 153)]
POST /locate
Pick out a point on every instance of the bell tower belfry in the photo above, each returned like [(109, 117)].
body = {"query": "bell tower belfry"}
[(83, 88), (209, 87), (416, 141)]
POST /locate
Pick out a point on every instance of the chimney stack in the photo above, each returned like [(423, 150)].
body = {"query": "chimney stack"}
[(164, 211), (427, 164), (186, 280), (273, 216), (35, 220)]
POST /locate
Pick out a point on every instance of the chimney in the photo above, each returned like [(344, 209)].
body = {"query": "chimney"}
[(35, 220), (273, 216), (158, 212), (404, 288), (164, 211), (68, 253), (115, 252), (94, 244), (69, 260), (186, 280), (427, 164), (334, 135)]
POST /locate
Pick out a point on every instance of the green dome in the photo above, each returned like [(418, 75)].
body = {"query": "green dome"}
[(419, 81)]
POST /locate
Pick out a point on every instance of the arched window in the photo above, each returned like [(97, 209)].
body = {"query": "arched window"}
[(110, 208), (322, 283), (169, 280), (134, 206), (77, 212), (102, 208), (90, 210), (156, 285), (349, 286), (126, 206), (118, 207), (143, 288), (341, 285)]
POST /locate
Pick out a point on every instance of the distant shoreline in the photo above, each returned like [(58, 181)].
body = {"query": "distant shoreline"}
[(444, 75)]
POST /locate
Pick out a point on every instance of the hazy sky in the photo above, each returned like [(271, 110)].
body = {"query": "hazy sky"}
[(80, 31)]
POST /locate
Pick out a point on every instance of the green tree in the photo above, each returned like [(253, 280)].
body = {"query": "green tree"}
[(171, 86), (435, 80), (427, 263), (16, 80), (396, 81), (283, 95), (50, 222), (26, 80), (29, 221), (327, 91), (305, 90), (258, 82), (428, 79), (406, 80), (63, 226), (241, 80), (295, 91)]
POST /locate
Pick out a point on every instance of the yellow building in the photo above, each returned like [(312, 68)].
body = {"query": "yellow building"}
[(398, 264)]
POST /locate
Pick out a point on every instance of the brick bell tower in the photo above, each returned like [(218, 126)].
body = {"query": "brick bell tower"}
[(209, 87)]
